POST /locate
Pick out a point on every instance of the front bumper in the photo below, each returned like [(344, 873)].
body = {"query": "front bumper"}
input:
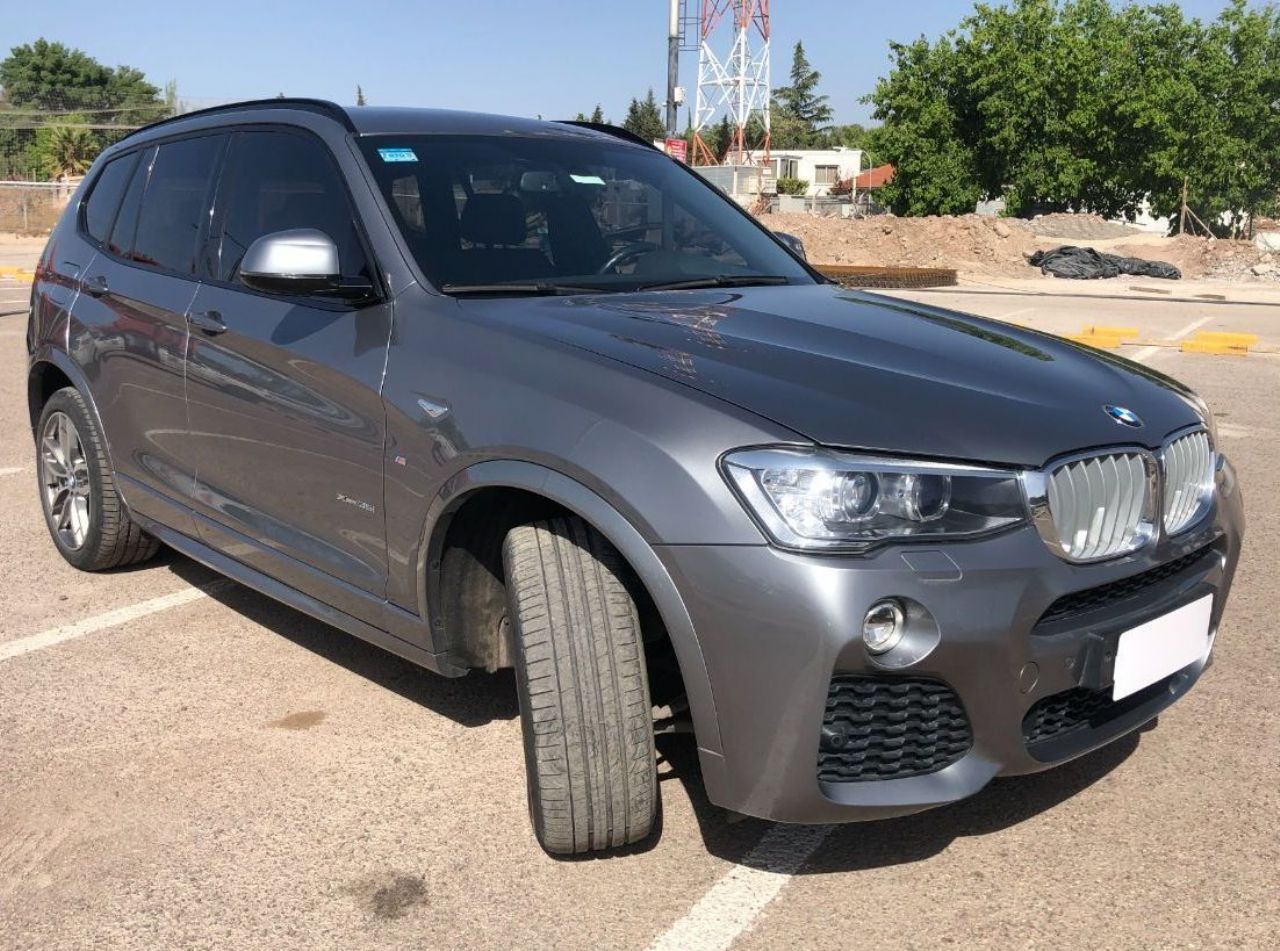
[(775, 628)]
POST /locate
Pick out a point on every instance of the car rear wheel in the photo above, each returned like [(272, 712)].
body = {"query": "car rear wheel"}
[(82, 509), (584, 690)]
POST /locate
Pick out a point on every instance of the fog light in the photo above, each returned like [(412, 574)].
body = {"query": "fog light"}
[(883, 626)]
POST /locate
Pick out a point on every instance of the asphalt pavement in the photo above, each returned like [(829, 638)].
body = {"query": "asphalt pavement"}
[(185, 763)]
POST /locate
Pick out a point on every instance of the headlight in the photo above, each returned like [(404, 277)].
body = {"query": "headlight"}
[(810, 498)]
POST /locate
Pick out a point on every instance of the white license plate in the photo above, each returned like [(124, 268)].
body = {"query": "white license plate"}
[(1152, 651)]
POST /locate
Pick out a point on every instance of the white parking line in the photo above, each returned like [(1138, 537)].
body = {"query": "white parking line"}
[(731, 906), (12, 470), (1186, 331), (130, 612)]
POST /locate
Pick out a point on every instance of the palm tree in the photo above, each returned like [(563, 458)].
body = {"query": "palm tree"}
[(70, 151)]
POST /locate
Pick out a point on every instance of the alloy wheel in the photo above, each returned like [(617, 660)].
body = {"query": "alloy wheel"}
[(64, 476)]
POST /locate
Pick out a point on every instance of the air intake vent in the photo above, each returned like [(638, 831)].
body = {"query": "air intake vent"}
[(1188, 477), (1100, 505), (890, 728)]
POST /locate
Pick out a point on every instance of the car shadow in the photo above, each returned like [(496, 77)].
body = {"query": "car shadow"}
[(480, 698), (887, 842), (474, 700)]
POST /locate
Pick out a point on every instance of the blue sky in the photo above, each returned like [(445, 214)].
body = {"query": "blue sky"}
[(522, 57)]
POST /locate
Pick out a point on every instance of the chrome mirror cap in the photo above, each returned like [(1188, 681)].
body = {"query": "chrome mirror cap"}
[(300, 261)]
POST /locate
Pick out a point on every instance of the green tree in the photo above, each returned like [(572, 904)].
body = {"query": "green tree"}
[(645, 119), (1056, 104), (1227, 146), (53, 77), (801, 114), (924, 133)]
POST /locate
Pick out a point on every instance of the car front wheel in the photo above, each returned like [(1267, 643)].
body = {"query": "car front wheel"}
[(584, 690)]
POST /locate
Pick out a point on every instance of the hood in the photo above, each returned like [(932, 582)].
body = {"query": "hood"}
[(857, 370)]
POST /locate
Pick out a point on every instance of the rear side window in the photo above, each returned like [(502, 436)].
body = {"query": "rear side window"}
[(278, 181), (100, 209), (176, 203), (121, 242)]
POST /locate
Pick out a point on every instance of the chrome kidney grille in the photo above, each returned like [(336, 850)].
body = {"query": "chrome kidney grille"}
[(1091, 507), (1101, 505), (1188, 477)]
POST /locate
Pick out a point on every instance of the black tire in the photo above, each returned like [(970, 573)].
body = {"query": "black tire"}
[(584, 691), (112, 539)]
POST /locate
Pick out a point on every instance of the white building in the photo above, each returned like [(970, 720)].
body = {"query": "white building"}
[(821, 168)]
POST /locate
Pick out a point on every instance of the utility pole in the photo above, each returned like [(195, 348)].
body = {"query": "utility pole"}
[(673, 66)]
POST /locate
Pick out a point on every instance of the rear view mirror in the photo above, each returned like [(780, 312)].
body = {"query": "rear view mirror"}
[(792, 242), (301, 261), (539, 182)]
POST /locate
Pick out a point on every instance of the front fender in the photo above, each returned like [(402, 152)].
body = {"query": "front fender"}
[(624, 536)]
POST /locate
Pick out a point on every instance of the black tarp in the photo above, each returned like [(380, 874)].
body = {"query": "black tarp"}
[(1086, 264)]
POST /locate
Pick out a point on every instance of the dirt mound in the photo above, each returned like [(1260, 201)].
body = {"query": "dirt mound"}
[(1086, 227), (1213, 259), (971, 244), (981, 247)]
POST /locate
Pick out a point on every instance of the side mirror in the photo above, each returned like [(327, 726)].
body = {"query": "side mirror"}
[(792, 242), (301, 261)]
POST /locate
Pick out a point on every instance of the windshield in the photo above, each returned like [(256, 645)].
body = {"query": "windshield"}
[(564, 213)]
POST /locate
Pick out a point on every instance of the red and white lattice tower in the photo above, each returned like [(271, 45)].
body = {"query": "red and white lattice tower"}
[(733, 78)]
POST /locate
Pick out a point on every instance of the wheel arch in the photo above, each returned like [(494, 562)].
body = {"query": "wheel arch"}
[(541, 483), (48, 372)]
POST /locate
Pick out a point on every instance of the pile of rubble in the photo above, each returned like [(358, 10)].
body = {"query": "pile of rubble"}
[(983, 247), (975, 245)]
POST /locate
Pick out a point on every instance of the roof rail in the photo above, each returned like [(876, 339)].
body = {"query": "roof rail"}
[(617, 131), (320, 106)]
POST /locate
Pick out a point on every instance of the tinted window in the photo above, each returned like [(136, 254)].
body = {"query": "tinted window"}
[(277, 181), (176, 203), (494, 209), (103, 201), (126, 225)]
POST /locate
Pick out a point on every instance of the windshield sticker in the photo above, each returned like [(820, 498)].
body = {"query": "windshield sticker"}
[(398, 155), (587, 179)]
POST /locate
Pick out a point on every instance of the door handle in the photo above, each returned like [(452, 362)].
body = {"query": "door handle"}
[(210, 321), (96, 286)]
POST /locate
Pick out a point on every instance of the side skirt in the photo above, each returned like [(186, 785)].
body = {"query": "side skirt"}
[(294, 598)]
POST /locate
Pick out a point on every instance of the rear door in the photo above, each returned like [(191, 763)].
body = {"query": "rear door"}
[(286, 415), (129, 328)]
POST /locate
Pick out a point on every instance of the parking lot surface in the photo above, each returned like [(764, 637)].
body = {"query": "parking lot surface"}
[(188, 764)]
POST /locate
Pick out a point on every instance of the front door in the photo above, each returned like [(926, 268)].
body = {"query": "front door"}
[(283, 393)]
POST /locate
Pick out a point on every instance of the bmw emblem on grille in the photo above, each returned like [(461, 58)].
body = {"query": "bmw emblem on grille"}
[(1123, 416)]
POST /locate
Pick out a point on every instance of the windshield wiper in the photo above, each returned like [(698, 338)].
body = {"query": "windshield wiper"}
[(720, 280), (540, 288)]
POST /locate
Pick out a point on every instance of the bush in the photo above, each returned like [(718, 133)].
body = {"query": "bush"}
[(792, 186)]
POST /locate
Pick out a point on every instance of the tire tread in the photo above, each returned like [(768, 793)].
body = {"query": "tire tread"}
[(584, 688)]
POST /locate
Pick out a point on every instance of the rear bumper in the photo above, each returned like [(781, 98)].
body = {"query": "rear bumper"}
[(775, 627)]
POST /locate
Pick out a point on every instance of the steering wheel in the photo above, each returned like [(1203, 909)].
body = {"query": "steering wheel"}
[(627, 253)]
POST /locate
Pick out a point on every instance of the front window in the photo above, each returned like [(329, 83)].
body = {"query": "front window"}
[(826, 174), (564, 212)]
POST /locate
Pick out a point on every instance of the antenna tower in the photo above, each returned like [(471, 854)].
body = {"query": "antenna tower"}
[(733, 78)]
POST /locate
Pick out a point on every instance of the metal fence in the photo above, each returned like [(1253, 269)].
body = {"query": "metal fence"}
[(32, 208)]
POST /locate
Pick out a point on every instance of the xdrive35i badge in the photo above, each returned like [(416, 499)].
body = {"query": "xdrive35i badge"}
[(1123, 416), (358, 503)]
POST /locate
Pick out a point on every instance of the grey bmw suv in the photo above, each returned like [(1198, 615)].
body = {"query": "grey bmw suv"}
[(496, 393)]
